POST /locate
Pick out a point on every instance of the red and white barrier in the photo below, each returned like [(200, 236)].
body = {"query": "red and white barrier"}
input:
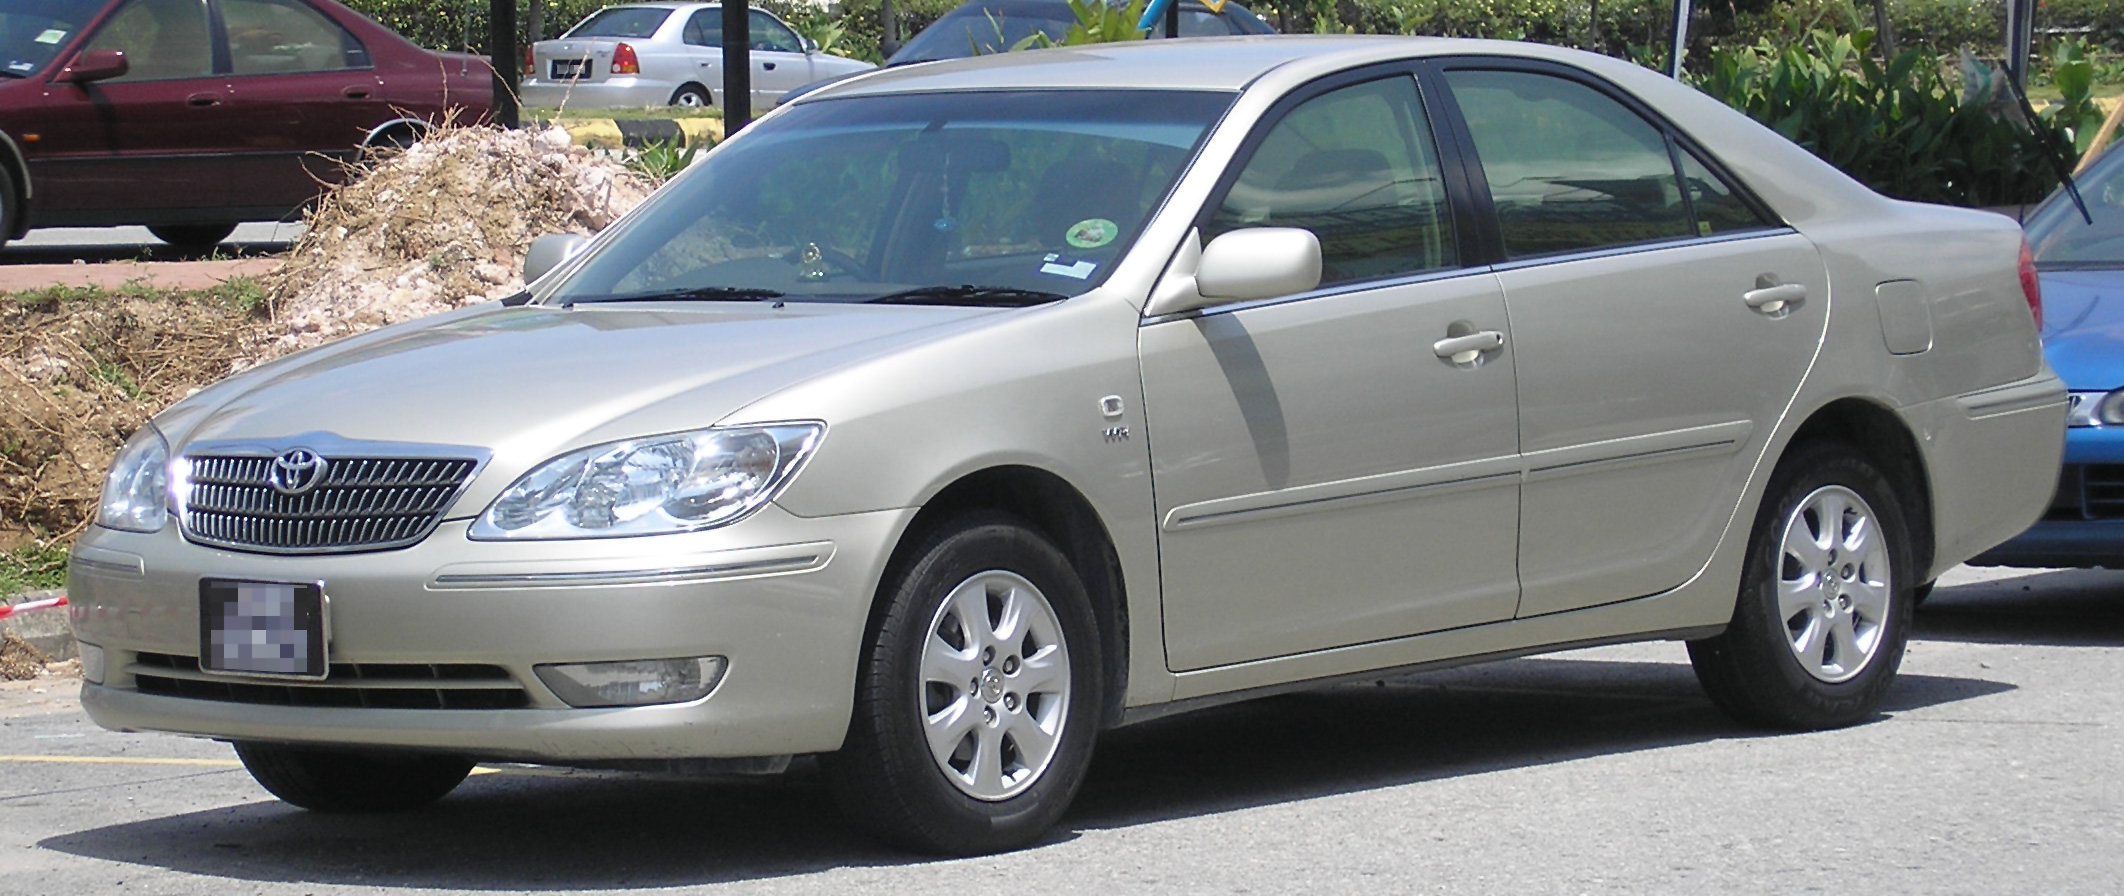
[(29, 605)]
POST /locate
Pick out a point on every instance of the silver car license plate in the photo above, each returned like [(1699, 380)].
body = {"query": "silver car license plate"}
[(274, 629), (570, 69)]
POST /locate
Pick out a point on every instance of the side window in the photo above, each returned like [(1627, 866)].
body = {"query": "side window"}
[(768, 34), (1357, 167), (1717, 209), (1569, 168), (273, 36), (161, 39), (705, 29)]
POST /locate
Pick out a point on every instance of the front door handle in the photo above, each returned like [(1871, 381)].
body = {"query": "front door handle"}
[(1775, 300), (203, 100), (1466, 349), (355, 92), (767, 65)]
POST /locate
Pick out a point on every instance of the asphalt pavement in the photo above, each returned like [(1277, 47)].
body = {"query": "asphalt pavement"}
[(1991, 770)]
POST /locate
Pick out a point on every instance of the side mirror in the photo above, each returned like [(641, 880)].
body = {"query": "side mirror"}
[(1255, 263), (95, 65), (547, 252)]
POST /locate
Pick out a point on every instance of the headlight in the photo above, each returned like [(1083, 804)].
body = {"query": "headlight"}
[(670, 483), (136, 494), (2096, 409)]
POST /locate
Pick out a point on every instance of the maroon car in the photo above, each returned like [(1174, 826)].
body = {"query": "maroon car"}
[(191, 115)]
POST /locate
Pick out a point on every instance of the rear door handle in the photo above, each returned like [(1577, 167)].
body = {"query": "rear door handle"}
[(767, 65), (1776, 300), (1466, 349), (203, 100)]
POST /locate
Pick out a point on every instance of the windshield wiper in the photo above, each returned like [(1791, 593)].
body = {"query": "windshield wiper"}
[(706, 293), (969, 294)]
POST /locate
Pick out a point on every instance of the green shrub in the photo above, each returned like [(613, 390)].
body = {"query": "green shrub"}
[(1901, 128)]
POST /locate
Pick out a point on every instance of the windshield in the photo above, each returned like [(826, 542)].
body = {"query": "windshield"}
[(32, 31), (2062, 240), (1004, 198), (622, 21)]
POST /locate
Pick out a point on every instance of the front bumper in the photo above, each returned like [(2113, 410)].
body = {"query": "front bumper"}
[(619, 92), (786, 599)]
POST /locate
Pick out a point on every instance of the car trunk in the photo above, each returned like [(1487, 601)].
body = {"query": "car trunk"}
[(574, 59)]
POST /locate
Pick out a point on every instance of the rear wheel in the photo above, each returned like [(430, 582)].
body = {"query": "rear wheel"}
[(977, 697), (192, 237), (1825, 599), (324, 780), (691, 96)]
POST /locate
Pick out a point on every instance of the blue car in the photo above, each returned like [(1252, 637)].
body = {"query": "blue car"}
[(2082, 271)]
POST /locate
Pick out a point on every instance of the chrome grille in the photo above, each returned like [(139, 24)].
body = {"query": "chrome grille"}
[(361, 503)]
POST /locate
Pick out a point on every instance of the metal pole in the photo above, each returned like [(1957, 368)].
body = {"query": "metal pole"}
[(1680, 41), (501, 40), (889, 42), (2020, 33), (737, 66)]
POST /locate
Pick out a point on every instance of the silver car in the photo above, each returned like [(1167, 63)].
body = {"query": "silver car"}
[(658, 54), (954, 414)]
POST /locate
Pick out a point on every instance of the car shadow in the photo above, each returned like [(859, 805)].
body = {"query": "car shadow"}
[(2053, 608), (542, 830)]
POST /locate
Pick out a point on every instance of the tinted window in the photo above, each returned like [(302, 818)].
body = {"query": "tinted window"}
[(1569, 168), (622, 21), (286, 36), (769, 34), (1357, 168), (1718, 209), (974, 30), (160, 38), (2064, 240), (32, 31)]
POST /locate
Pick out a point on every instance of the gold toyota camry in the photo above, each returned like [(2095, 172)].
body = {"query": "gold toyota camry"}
[(954, 414)]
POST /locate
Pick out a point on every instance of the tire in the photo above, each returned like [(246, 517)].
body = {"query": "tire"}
[(1921, 593), (1015, 739), (691, 96), (8, 213), (192, 237), (1785, 661), (323, 780)]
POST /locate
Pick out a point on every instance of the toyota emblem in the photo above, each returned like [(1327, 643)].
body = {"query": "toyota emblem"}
[(297, 471)]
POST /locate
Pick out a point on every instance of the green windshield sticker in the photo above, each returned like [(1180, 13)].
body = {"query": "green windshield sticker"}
[(51, 36), (1091, 233)]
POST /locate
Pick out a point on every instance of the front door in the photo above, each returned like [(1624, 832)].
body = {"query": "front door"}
[(1326, 473), (1627, 258)]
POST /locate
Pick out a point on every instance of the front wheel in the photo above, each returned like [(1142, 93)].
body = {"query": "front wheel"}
[(325, 780), (1825, 598), (977, 697)]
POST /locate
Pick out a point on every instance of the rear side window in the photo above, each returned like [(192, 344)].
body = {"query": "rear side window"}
[(626, 21), (269, 36), (705, 29), (1356, 166)]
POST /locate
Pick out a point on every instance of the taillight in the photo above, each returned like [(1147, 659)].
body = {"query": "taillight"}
[(624, 61), (2031, 286), (529, 67)]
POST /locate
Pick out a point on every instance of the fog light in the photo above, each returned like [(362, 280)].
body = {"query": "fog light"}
[(633, 682), (91, 662)]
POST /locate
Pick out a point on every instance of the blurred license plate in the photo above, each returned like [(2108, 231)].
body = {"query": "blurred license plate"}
[(262, 628), (570, 68)]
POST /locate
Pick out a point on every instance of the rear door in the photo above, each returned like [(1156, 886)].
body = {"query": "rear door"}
[(156, 138), (1662, 321), (306, 96), (1326, 473)]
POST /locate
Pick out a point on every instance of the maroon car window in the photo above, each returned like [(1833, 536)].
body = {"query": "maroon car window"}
[(269, 36), (623, 21), (160, 38)]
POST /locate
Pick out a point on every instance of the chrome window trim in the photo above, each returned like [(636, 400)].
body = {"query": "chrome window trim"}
[(1764, 232), (1324, 292)]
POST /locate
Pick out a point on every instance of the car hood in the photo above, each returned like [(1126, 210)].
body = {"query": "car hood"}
[(528, 381), (2083, 327)]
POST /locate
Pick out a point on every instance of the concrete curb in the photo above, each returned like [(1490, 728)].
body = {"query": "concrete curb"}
[(635, 133), (45, 630)]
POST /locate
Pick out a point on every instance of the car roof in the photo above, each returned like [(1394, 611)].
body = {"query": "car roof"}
[(1206, 63)]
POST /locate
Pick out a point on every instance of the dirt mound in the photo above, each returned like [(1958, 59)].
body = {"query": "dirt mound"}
[(442, 225), (20, 660)]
